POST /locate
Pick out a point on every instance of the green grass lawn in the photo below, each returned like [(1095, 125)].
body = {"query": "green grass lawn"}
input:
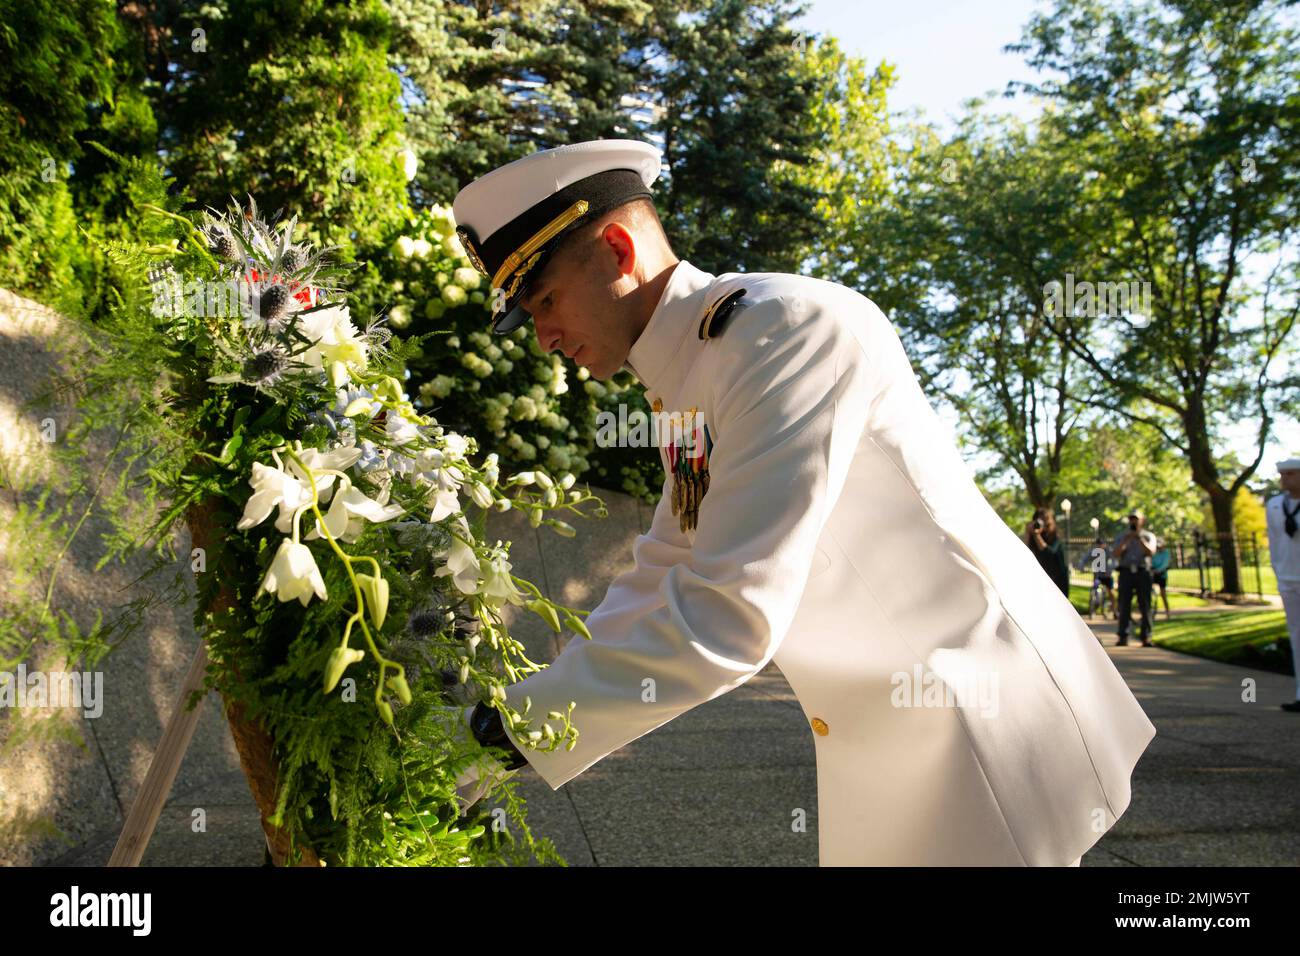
[(1248, 638), (1079, 598), (1187, 578)]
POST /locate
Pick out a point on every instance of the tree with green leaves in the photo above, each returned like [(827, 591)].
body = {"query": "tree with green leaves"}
[(734, 96), (490, 83), (723, 86), (856, 164), (485, 84), (293, 103), (982, 212), (70, 75), (1188, 111), (1113, 465)]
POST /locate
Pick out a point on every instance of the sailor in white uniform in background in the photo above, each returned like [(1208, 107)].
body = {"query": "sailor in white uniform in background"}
[(815, 514), (1281, 517)]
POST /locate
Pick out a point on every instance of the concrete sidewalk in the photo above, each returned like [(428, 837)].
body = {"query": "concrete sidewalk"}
[(1217, 786)]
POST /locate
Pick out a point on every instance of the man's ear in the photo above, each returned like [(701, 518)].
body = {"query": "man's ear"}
[(618, 240)]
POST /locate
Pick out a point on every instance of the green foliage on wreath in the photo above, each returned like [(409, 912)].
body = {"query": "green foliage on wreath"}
[(369, 743)]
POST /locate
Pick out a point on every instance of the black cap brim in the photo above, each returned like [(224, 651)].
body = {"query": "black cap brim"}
[(515, 314), (510, 320)]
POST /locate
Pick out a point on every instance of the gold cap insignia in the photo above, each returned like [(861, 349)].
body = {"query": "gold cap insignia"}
[(471, 250)]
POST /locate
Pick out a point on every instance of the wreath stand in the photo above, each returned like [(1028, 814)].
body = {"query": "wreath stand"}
[(255, 746)]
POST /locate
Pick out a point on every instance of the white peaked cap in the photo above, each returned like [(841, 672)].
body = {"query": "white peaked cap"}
[(495, 198), (512, 219)]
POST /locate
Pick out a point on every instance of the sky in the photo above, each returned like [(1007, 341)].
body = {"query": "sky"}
[(947, 51)]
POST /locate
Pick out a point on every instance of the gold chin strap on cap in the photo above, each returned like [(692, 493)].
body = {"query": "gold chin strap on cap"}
[(522, 259)]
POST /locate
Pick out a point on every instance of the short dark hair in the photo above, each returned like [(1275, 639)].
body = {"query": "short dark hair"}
[(639, 211)]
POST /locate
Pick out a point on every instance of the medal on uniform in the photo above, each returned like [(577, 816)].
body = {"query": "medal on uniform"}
[(677, 481), (689, 461)]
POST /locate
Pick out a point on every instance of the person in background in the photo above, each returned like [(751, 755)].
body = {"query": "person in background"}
[(1099, 561), (1133, 550), (1281, 516), (1160, 572), (1041, 536)]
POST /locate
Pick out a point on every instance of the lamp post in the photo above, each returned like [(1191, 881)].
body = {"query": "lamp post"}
[(1066, 506)]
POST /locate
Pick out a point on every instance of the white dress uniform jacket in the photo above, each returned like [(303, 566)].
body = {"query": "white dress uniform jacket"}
[(1283, 549), (962, 712)]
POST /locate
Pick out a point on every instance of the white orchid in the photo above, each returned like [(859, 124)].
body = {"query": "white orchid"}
[(402, 424), (498, 586), (335, 459), (349, 507), (334, 340), (291, 488), (271, 487), (455, 445), (481, 495), (319, 464), (293, 574), (430, 460), (351, 402), (430, 465), (444, 495), (462, 562)]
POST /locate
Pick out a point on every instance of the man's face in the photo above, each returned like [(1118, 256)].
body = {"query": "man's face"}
[(576, 308), (1290, 481)]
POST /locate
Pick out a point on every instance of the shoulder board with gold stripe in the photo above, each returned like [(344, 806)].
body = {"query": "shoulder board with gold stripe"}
[(716, 315)]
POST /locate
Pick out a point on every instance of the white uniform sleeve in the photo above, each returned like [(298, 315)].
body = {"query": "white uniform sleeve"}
[(690, 623), (1272, 528)]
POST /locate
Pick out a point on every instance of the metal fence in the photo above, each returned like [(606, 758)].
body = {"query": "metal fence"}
[(1197, 562)]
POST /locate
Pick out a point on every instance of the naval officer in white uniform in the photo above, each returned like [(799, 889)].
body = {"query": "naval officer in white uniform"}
[(1282, 521), (819, 518)]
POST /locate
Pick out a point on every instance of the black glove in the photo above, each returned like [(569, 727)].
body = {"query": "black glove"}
[(485, 723)]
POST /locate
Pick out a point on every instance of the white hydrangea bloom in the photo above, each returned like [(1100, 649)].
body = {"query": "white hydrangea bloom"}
[(467, 278), (559, 381), (452, 247), (410, 163)]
